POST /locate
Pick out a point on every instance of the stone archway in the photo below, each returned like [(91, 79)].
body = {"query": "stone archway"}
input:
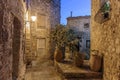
[(16, 48)]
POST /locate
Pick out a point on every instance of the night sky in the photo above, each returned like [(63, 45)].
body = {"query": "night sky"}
[(78, 8)]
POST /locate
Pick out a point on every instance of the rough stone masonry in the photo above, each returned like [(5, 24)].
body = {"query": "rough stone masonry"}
[(105, 37), (48, 15), (11, 46)]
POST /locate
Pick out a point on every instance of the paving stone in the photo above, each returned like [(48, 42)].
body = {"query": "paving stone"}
[(45, 71)]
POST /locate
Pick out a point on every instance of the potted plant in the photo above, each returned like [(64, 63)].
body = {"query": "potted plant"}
[(63, 37), (73, 44), (95, 60), (78, 57), (58, 38)]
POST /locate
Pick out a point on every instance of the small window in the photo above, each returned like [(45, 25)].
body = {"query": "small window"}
[(41, 43), (41, 23), (87, 43), (86, 25)]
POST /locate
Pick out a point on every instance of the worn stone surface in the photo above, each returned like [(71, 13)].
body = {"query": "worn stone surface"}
[(71, 72), (45, 71), (105, 38), (11, 22)]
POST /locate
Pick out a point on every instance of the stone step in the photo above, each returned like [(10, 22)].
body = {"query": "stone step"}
[(27, 41), (27, 45), (27, 51), (71, 72), (82, 79)]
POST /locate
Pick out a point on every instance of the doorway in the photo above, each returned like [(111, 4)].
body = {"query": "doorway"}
[(16, 48), (41, 47)]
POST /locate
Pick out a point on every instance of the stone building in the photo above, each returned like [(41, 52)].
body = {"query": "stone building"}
[(12, 65), (105, 36), (81, 24), (47, 13)]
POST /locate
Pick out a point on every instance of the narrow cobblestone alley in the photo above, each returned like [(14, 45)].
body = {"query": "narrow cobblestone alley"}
[(44, 71), (59, 39)]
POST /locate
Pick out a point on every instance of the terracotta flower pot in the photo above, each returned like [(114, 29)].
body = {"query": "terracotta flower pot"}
[(58, 55), (95, 62), (78, 59)]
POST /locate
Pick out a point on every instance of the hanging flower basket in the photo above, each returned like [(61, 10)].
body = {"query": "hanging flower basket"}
[(103, 13)]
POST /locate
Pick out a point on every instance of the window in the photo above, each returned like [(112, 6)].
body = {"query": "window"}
[(41, 43), (41, 23), (87, 43), (86, 25), (41, 47)]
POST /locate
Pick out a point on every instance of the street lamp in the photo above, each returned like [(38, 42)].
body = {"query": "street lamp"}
[(32, 22), (33, 18)]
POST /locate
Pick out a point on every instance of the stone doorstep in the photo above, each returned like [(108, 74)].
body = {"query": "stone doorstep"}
[(68, 72), (83, 75), (81, 79)]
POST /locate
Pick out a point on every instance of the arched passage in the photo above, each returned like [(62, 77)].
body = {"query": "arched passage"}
[(16, 48)]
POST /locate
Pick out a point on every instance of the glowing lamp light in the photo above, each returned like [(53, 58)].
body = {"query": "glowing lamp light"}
[(33, 18)]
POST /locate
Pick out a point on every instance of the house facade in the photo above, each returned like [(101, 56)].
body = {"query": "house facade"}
[(82, 25), (47, 13), (12, 66)]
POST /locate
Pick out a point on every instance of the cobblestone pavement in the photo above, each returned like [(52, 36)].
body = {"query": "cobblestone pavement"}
[(44, 71)]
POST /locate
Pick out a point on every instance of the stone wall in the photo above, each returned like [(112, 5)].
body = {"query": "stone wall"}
[(48, 15), (105, 38), (11, 21), (55, 11)]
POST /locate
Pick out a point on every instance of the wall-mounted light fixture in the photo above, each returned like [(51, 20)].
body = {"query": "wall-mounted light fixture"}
[(33, 18), (29, 22)]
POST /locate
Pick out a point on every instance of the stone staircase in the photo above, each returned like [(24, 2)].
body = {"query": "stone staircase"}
[(27, 47), (71, 72)]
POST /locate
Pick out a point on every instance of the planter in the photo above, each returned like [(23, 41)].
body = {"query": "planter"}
[(59, 55), (78, 59), (95, 62)]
